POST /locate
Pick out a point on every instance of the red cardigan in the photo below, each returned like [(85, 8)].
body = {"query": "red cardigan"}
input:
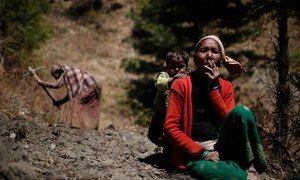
[(179, 117)]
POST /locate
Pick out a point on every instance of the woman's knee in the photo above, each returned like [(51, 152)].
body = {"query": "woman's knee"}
[(243, 112)]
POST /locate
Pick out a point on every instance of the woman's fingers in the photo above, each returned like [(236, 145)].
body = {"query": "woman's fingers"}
[(210, 63), (209, 75), (213, 156), (208, 68), (212, 72)]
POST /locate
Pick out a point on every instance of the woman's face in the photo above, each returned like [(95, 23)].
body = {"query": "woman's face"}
[(56, 74), (208, 53)]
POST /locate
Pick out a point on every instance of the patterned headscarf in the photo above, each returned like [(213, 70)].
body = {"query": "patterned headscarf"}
[(56, 68), (230, 64)]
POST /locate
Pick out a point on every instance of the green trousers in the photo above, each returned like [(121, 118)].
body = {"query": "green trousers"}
[(239, 147)]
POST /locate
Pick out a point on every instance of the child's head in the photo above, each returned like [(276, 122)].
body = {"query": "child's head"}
[(176, 60)]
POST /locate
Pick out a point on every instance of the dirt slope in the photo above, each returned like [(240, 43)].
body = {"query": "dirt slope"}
[(95, 42), (32, 151)]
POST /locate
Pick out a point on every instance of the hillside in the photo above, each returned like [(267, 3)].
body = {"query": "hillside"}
[(95, 42), (35, 143)]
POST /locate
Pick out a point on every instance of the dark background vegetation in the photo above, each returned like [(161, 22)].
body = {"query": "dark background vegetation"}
[(162, 25), (22, 30)]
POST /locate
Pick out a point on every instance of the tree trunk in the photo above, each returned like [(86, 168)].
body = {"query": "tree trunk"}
[(283, 90)]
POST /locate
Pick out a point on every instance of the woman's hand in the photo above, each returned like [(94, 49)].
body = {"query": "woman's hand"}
[(213, 75), (213, 156), (212, 70), (37, 79), (56, 103)]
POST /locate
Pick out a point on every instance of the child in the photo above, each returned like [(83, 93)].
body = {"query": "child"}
[(176, 67)]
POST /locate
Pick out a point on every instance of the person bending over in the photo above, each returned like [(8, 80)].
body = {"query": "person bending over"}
[(82, 90)]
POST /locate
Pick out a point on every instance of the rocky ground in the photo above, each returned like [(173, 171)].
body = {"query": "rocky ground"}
[(35, 151), (31, 150)]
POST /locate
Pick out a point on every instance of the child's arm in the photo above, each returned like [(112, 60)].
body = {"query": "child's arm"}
[(181, 74), (162, 81)]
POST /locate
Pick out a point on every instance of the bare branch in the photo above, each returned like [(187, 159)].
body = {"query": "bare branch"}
[(273, 42)]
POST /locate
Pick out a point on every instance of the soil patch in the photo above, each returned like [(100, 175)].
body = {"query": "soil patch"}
[(30, 150), (35, 151)]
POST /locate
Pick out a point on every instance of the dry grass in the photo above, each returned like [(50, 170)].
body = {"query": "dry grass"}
[(97, 48), (97, 44)]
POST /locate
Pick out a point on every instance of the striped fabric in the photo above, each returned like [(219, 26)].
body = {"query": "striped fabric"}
[(83, 91), (76, 80)]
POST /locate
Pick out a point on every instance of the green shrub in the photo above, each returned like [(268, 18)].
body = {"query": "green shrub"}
[(154, 38), (140, 66), (141, 94), (22, 29), (141, 113)]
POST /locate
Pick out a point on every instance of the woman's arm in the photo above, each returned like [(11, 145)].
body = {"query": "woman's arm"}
[(174, 125), (55, 85), (222, 99), (61, 101)]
